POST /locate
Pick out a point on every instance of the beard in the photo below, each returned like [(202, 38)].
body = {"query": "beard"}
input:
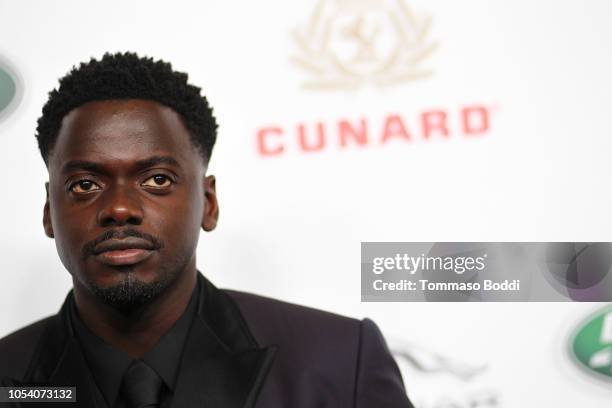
[(131, 293)]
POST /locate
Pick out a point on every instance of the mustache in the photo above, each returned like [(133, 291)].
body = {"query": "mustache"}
[(89, 247)]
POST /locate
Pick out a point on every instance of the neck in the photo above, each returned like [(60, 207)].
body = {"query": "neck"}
[(137, 332)]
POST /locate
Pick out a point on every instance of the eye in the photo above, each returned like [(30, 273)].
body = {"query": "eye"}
[(158, 180), (84, 186)]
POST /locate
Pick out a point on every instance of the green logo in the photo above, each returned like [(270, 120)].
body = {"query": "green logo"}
[(591, 344), (9, 89)]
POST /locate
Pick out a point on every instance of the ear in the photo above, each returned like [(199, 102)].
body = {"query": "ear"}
[(211, 206), (47, 214)]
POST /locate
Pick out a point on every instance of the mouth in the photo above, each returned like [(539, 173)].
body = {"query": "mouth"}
[(120, 252)]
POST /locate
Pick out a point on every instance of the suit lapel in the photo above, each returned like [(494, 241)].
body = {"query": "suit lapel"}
[(72, 371), (222, 365), (59, 361), (213, 376)]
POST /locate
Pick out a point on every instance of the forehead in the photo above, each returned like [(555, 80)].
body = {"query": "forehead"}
[(122, 131)]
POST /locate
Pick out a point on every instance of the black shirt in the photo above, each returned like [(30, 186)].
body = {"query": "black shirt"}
[(108, 364)]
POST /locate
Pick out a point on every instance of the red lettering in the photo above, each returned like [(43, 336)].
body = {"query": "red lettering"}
[(346, 131), (394, 127), (320, 144), (434, 121), (263, 147), (475, 120)]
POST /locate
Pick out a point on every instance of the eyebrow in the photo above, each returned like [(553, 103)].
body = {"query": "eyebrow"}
[(99, 168), (81, 165), (155, 160)]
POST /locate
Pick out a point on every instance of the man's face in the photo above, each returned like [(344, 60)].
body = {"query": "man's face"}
[(127, 196)]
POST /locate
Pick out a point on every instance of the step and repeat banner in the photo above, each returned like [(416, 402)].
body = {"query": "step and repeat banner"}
[(359, 140)]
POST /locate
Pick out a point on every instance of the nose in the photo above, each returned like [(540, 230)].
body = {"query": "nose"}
[(120, 207)]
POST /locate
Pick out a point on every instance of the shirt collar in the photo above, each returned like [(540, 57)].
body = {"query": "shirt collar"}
[(109, 364)]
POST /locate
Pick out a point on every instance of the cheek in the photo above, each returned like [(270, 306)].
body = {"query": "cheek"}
[(179, 223), (70, 227)]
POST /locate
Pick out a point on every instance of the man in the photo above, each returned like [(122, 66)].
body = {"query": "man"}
[(126, 142)]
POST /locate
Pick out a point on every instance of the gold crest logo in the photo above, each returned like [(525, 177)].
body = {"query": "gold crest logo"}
[(349, 43)]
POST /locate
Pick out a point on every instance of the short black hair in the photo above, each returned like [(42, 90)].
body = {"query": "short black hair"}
[(128, 76)]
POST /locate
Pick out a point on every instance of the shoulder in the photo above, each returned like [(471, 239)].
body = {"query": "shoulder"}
[(17, 348), (312, 342), (273, 320), (322, 355)]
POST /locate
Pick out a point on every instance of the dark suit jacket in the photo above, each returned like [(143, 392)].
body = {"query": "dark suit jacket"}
[(242, 350)]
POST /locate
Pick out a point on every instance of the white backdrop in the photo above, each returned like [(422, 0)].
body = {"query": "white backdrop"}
[(291, 224)]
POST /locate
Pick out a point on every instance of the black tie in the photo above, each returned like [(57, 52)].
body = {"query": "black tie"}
[(141, 386)]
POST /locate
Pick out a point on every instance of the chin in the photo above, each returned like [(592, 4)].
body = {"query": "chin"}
[(128, 288)]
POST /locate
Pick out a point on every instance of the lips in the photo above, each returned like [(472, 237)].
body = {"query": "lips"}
[(127, 251)]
